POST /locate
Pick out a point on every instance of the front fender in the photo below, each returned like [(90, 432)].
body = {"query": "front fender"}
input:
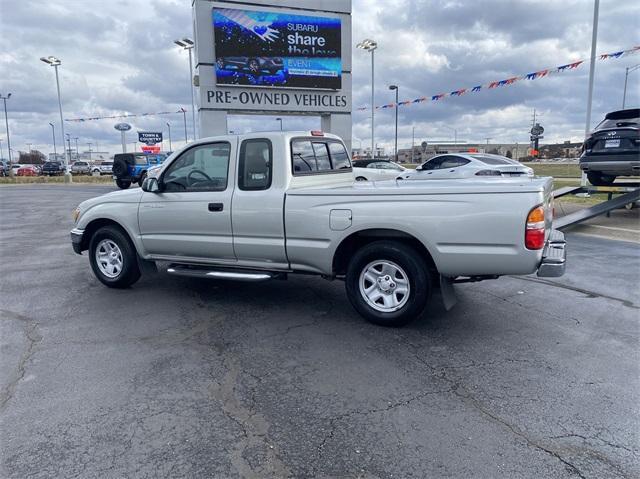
[(124, 214)]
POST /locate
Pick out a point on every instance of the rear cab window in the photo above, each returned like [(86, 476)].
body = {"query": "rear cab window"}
[(316, 156)]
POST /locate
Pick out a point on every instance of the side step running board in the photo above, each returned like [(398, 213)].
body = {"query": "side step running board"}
[(236, 275)]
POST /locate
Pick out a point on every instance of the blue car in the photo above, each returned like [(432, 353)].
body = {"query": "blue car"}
[(132, 167)]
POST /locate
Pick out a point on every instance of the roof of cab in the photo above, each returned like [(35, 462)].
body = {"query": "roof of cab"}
[(269, 134)]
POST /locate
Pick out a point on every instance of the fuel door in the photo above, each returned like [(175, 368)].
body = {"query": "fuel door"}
[(339, 220)]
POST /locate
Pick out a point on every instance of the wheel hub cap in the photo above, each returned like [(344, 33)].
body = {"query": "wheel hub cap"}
[(109, 258), (384, 285)]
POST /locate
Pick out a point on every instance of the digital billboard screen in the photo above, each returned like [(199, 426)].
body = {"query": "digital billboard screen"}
[(276, 49)]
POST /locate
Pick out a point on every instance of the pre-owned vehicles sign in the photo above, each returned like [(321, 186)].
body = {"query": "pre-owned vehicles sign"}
[(277, 49)]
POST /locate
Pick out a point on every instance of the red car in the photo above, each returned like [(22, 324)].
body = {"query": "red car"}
[(27, 170)]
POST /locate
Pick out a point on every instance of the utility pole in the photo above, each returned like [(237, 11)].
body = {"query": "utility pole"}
[(77, 152), (89, 145), (626, 77)]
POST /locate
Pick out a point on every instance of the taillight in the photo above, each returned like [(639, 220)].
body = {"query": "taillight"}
[(534, 232)]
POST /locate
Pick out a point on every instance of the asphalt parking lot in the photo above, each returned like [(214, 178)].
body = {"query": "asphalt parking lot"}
[(178, 377)]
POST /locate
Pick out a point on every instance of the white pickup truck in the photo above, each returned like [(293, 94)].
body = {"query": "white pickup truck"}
[(264, 205)]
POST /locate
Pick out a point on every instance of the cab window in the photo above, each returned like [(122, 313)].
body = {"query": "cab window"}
[(201, 168), (255, 167)]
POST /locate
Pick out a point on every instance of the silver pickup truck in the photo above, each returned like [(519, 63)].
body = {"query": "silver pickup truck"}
[(260, 206)]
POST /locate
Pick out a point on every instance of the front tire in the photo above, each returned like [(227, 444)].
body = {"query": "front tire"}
[(113, 258), (388, 283)]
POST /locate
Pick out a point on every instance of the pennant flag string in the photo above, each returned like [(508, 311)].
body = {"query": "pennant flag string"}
[(131, 115), (508, 81)]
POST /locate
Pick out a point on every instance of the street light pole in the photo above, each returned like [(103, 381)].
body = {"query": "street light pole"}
[(188, 44), (169, 126), (89, 145), (395, 148), (592, 68), (626, 76), (55, 62), (6, 123), (53, 133), (184, 117), (77, 152), (370, 46)]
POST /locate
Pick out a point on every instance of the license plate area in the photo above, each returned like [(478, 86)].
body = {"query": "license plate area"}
[(612, 143)]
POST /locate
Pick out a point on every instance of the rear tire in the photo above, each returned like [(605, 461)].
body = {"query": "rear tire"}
[(361, 178), (123, 184), (388, 283), (113, 257), (598, 179)]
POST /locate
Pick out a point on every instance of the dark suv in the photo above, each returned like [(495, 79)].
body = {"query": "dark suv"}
[(52, 168), (613, 148)]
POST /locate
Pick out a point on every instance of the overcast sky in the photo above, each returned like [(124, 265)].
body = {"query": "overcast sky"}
[(118, 56)]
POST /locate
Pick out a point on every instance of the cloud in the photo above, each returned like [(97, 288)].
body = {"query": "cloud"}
[(119, 57)]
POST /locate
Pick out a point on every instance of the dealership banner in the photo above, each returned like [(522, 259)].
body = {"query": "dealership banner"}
[(269, 49), (507, 81), (150, 137)]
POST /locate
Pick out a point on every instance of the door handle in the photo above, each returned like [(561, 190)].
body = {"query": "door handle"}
[(216, 206)]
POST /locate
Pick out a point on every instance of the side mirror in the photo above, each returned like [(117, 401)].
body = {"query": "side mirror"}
[(151, 185), (419, 168)]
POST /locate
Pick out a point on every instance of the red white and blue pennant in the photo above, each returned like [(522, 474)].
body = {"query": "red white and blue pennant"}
[(506, 82)]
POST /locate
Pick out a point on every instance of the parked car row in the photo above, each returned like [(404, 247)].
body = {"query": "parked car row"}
[(55, 168)]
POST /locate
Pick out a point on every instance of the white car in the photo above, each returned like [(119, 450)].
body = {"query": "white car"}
[(374, 170), (467, 165)]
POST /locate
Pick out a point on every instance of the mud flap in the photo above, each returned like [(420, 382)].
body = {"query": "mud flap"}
[(146, 266), (448, 293)]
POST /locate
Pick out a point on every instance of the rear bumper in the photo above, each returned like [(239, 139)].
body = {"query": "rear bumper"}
[(76, 240), (554, 256), (627, 164)]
